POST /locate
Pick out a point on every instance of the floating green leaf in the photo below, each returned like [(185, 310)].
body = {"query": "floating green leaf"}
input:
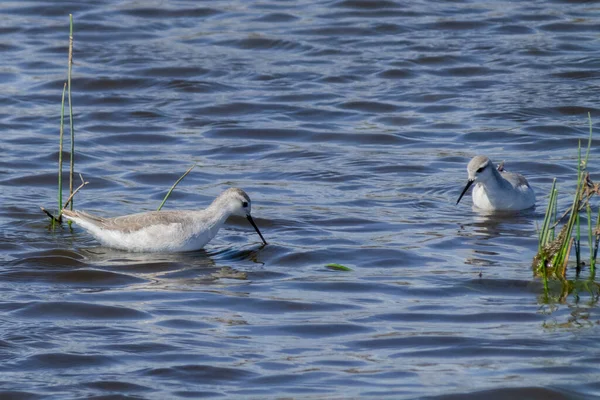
[(338, 267)]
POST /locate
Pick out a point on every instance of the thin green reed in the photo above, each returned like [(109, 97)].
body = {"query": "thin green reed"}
[(173, 187), (577, 244), (555, 206), (596, 243), (575, 211), (72, 160), (60, 148), (582, 166), (596, 232), (588, 211), (546, 226)]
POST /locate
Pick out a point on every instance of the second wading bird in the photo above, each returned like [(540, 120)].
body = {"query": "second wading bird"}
[(166, 231), (497, 190)]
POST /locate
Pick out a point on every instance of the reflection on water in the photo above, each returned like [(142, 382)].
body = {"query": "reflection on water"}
[(172, 271), (349, 123), (494, 236)]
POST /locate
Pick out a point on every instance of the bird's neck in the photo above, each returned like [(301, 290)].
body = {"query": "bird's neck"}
[(218, 212), (495, 182)]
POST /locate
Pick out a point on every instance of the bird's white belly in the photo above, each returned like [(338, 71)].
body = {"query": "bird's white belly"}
[(156, 238), (508, 199)]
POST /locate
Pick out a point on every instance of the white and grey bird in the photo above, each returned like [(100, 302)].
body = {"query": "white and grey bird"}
[(496, 189), (166, 231)]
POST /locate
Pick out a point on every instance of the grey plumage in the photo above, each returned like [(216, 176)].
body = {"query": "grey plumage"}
[(181, 230), (496, 189), (132, 222)]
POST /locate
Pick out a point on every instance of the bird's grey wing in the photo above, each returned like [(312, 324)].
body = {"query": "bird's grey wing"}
[(515, 179), (135, 222)]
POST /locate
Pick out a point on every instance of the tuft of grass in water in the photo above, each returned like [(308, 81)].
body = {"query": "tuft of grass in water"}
[(67, 89), (173, 187), (554, 250), (338, 267)]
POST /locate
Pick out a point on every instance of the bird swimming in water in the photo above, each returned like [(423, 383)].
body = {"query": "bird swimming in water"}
[(166, 231), (496, 189)]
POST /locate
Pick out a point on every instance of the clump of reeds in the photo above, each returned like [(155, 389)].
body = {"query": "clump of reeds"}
[(67, 89), (555, 249)]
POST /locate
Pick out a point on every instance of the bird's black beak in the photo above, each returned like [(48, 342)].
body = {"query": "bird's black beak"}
[(468, 185), (256, 228)]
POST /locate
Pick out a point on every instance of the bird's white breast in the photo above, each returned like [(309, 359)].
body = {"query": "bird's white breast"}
[(503, 198), (171, 237)]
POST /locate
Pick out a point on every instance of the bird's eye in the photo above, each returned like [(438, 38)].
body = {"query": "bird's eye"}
[(245, 204), (480, 169)]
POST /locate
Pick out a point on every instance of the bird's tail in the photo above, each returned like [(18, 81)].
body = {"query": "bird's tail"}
[(80, 216)]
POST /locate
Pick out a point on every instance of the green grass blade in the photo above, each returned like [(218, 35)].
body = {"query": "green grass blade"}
[(577, 243), (588, 210), (72, 159), (544, 233), (60, 147), (596, 243), (555, 214), (173, 187)]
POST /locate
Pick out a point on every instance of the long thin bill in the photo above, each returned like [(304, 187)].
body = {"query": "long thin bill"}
[(469, 183), (256, 228)]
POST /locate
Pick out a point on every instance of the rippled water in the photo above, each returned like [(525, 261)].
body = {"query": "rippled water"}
[(350, 124)]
